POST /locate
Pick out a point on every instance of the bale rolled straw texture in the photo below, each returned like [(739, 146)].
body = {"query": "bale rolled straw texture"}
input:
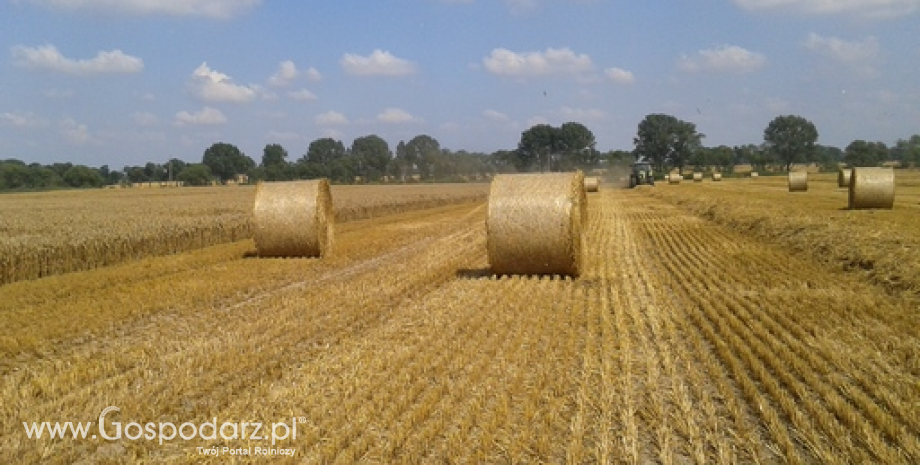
[(674, 178), (754, 174), (871, 188), (592, 184), (697, 177), (798, 181), (716, 176), (843, 177), (535, 223), (293, 219)]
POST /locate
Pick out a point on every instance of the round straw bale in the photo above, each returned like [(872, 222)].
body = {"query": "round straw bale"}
[(872, 188), (293, 219), (843, 177), (535, 222), (697, 177), (592, 184), (716, 176), (798, 181), (674, 178), (754, 174)]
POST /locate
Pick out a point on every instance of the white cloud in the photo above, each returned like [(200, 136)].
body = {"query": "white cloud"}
[(212, 86), (878, 9), (144, 118), (844, 50), (19, 121), (581, 114), (619, 75), (727, 58), (206, 116), (378, 63), (313, 74), (330, 118), (48, 58), (287, 72), (216, 9), (395, 116), (302, 95), (552, 61), (75, 133), (495, 115)]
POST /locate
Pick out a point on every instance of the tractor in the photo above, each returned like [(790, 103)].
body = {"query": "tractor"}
[(641, 174)]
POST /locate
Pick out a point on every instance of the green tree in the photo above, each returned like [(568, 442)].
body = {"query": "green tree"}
[(538, 147), (907, 151), (791, 139), (724, 157), (577, 144), (226, 161), (324, 150), (665, 140), (83, 176), (423, 151), (372, 155), (14, 174), (862, 153), (274, 155), (197, 174)]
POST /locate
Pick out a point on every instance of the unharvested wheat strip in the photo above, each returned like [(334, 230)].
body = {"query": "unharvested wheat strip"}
[(763, 359), (872, 440)]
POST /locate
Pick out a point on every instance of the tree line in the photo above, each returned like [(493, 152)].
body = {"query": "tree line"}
[(663, 140)]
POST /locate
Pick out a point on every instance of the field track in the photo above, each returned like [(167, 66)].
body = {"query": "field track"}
[(684, 342)]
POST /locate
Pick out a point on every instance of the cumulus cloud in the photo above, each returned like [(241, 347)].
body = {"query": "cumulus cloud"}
[(302, 95), (287, 72), (552, 61), (205, 116), (19, 120), (144, 118), (844, 50), (215, 9), (212, 86), (331, 118), (727, 58), (48, 58), (495, 115), (879, 9), (619, 75), (395, 116), (313, 74), (378, 63), (75, 133), (581, 114)]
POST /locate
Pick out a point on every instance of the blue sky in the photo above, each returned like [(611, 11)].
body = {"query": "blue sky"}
[(123, 82)]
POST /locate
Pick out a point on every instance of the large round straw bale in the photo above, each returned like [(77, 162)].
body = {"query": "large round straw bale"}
[(293, 219), (535, 222), (697, 177), (843, 177), (798, 181), (716, 176), (754, 174), (872, 188), (674, 178), (592, 184)]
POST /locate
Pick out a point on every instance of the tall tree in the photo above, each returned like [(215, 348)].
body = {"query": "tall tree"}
[(424, 151), (791, 139), (226, 161), (537, 147), (274, 155), (372, 154), (325, 150), (665, 140), (578, 146), (862, 153)]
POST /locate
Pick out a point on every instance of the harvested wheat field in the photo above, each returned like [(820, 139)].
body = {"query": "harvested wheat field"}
[(683, 341)]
